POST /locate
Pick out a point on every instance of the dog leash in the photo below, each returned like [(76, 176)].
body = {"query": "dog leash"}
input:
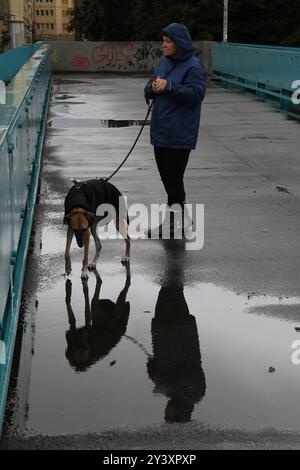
[(141, 130), (139, 345), (134, 144)]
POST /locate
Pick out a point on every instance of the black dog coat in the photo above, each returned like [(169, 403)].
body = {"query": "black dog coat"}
[(89, 195)]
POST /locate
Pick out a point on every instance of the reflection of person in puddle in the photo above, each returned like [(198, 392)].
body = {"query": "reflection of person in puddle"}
[(105, 324), (175, 367)]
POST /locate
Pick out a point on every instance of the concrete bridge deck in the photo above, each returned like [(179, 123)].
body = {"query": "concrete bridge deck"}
[(243, 287)]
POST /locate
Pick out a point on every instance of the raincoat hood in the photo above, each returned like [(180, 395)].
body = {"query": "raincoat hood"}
[(180, 35)]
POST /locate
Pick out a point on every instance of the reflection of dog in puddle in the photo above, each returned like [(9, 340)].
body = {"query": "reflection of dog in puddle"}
[(105, 324)]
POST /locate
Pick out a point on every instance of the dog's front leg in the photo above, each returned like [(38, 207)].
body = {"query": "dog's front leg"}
[(98, 246), (86, 242), (68, 266), (122, 228), (126, 257)]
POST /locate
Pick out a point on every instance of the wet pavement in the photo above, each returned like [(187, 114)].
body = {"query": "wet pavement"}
[(187, 349)]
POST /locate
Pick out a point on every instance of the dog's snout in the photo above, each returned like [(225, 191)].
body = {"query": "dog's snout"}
[(79, 237)]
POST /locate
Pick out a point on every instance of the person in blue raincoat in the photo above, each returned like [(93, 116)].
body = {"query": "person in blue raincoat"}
[(177, 87)]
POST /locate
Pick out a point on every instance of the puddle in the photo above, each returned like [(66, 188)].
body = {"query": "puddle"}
[(70, 81), (61, 108), (67, 123), (63, 97), (263, 137), (152, 346), (174, 353)]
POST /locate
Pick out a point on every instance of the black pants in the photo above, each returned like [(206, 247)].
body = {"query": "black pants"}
[(171, 164)]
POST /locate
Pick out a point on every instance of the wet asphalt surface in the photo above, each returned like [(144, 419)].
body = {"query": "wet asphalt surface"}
[(188, 349)]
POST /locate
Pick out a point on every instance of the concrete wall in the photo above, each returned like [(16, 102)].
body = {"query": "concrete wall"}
[(115, 56)]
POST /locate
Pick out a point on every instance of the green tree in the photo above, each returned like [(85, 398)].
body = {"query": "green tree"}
[(203, 18), (250, 21), (262, 21), (109, 20)]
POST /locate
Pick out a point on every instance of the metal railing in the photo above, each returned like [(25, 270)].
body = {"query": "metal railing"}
[(22, 127), (269, 71), (11, 61)]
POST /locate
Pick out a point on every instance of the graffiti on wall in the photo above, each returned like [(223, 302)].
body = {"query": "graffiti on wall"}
[(112, 53), (109, 56), (148, 51), (80, 61), (119, 57)]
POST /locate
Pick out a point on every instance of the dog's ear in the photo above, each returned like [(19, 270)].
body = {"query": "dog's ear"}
[(68, 217), (90, 216), (66, 220)]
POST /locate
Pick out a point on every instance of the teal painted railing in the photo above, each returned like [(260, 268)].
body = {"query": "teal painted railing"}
[(22, 127), (11, 61), (267, 70)]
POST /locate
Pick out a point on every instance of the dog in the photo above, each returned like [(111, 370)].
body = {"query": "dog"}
[(81, 204)]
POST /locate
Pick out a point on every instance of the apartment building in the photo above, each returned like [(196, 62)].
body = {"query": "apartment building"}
[(51, 20), (28, 21)]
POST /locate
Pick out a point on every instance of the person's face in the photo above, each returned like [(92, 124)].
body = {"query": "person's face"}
[(169, 47)]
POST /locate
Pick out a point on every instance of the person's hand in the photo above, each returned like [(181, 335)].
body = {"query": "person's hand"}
[(159, 85)]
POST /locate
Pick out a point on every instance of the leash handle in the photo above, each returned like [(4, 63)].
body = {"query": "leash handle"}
[(134, 144)]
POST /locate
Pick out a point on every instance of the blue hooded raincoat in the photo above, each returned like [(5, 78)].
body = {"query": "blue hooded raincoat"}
[(176, 111)]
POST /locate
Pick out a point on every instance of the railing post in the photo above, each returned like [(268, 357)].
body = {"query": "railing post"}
[(225, 21), (13, 252)]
